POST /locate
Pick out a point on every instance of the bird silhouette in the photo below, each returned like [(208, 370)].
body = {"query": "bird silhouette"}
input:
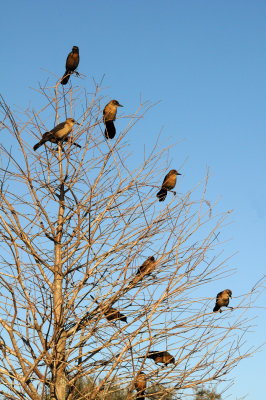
[(72, 63), (169, 183), (161, 357), (222, 300), (147, 266), (113, 314), (58, 134), (145, 269), (109, 116)]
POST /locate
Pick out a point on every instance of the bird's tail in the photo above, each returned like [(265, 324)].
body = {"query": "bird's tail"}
[(162, 194), (37, 145), (65, 78), (109, 130), (45, 138), (140, 395), (68, 140), (216, 308), (76, 144)]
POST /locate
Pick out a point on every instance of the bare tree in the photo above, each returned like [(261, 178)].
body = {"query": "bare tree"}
[(76, 225)]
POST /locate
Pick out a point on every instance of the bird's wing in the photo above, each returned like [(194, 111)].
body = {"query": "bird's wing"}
[(170, 181), (109, 112), (146, 262), (165, 178), (72, 61), (57, 128), (219, 295), (46, 135), (68, 60)]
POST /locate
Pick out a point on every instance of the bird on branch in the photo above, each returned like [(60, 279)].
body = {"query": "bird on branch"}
[(58, 134), (112, 314), (109, 116), (72, 63), (145, 269), (169, 183), (160, 357), (222, 300), (140, 385), (147, 266)]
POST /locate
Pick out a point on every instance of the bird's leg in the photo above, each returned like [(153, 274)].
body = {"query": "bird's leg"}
[(76, 144), (172, 191), (76, 72), (62, 148)]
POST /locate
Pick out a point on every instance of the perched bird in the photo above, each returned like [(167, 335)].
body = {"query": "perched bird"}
[(147, 266), (222, 300), (113, 314), (109, 116), (168, 184), (72, 62), (140, 385), (161, 357), (58, 134)]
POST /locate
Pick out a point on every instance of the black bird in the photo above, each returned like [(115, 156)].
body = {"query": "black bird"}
[(113, 314), (140, 385), (222, 300), (147, 266), (109, 116), (72, 62), (168, 184), (161, 357), (58, 134)]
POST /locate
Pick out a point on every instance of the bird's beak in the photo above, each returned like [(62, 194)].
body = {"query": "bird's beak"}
[(77, 123), (179, 173), (120, 105)]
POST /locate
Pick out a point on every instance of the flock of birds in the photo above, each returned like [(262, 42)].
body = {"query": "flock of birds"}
[(60, 134)]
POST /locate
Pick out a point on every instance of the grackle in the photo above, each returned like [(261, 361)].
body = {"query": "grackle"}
[(222, 300), (72, 63), (161, 357), (113, 314), (58, 134), (109, 116), (168, 184), (140, 385), (147, 266)]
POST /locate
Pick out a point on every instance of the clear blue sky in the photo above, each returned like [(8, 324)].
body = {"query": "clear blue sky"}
[(205, 61)]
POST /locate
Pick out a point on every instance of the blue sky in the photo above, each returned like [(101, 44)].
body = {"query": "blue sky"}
[(205, 62)]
